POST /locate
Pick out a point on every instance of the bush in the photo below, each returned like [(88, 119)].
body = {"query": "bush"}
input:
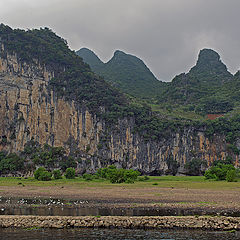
[(209, 175), (130, 175), (88, 177), (10, 163), (70, 173), (231, 176), (38, 172), (115, 175), (45, 176), (57, 174), (219, 172), (120, 175)]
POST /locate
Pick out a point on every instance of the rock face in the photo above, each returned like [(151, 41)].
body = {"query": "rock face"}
[(200, 223), (30, 111)]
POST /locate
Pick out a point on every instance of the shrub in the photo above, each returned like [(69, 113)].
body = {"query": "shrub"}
[(57, 174), (87, 177), (38, 172), (115, 175), (45, 176), (10, 163), (218, 172), (130, 175), (209, 175), (70, 173), (231, 176)]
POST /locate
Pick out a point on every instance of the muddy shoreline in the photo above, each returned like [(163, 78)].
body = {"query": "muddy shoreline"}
[(81, 207), (124, 206)]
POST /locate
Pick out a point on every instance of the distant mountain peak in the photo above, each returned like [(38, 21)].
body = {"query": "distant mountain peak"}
[(209, 63), (208, 55), (126, 72), (89, 56), (119, 52)]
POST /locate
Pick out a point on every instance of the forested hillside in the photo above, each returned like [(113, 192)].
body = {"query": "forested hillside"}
[(56, 112), (126, 72), (207, 88)]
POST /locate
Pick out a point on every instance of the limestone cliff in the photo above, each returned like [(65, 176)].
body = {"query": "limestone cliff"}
[(29, 110)]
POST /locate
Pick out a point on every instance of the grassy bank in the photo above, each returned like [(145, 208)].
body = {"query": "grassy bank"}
[(189, 182)]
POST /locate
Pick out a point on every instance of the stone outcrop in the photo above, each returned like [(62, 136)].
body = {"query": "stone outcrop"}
[(203, 223), (29, 110)]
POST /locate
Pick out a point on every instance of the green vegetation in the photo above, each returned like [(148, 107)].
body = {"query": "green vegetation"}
[(90, 58), (57, 174), (194, 166), (126, 72), (42, 174), (45, 176), (222, 172), (207, 88), (73, 78), (143, 178), (114, 175), (176, 182), (231, 175), (70, 173), (10, 163), (38, 172)]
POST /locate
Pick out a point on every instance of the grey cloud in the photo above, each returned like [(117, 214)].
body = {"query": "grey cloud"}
[(166, 34)]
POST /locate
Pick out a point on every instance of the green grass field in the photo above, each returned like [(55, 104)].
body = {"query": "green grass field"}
[(190, 182)]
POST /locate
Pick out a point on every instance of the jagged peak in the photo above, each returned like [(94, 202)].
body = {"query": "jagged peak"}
[(206, 55), (119, 52), (209, 62)]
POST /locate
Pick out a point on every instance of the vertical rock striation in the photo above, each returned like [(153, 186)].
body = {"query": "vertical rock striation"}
[(29, 110)]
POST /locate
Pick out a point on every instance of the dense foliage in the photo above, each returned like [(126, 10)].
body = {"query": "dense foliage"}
[(10, 163), (207, 88), (128, 73), (114, 175), (57, 174), (222, 171), (194, 167), (70, 173)]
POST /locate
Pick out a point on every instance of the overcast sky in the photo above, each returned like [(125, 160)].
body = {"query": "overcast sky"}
[(166, 34)]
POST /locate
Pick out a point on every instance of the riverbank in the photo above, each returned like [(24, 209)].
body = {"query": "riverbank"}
[(189, 222), (157, 191)]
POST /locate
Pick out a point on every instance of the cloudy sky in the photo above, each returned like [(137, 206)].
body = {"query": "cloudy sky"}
[(166, 34)]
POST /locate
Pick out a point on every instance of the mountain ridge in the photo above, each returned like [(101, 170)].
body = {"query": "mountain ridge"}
[(126, 72), (57, 113)]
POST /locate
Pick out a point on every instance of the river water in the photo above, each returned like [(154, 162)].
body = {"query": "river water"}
[(114, 234)]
